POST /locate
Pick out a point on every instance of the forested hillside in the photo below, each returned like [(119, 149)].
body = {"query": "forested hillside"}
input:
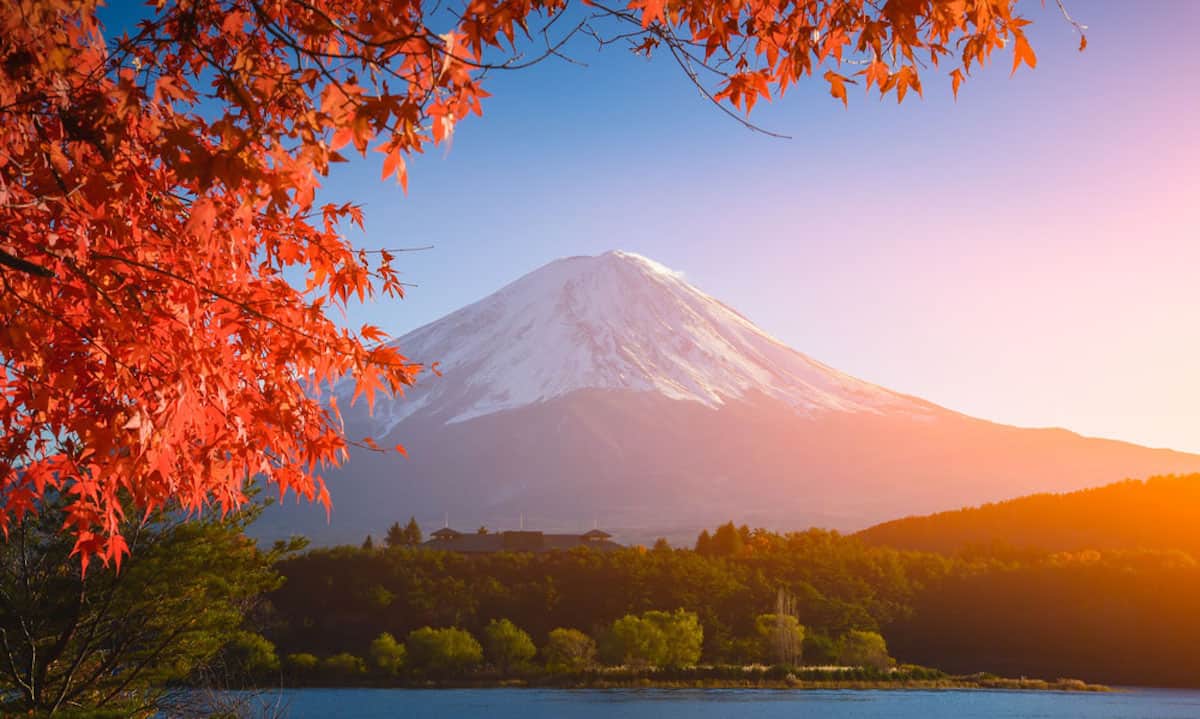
[(1114, 616), (1160, 513), (337, 600)]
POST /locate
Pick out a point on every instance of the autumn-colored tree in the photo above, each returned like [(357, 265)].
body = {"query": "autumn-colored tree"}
[(158, 191)]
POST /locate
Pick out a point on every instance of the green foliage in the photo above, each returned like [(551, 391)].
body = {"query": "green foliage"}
[(506, 646), (781, 637), (387, 655), (1135, 612), (368, 543), (1020, 614), (655, 639), (443, 652), (343, 666), (380, 597), (99, 640), (569, 650), (864, 649), (819, 649), (331, 600), (301, 665), (250, 656)]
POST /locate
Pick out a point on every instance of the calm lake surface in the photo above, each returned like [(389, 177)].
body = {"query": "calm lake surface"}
[(731, 703)]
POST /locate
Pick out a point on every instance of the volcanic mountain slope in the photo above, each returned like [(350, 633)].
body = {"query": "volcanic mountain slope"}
[(609, 389)]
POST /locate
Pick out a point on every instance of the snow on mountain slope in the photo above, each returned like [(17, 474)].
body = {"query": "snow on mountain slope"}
[(614, 321), (608, 388)]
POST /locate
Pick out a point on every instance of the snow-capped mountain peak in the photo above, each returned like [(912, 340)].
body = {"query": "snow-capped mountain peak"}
[(614, 321)]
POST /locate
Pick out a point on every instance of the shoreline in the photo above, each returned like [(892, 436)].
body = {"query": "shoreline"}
[(949, 683)]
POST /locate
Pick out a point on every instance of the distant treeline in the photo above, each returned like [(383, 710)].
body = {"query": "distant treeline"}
[(1121, 614), (1161, 513)]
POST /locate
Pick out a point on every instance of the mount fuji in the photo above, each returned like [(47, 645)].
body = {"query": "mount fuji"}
[(608, 389)]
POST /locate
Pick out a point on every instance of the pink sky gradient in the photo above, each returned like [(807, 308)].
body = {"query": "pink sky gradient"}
[(1028, 254)]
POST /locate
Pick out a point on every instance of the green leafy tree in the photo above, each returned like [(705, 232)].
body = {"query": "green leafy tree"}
[(704, 543), (301, 665), (781, 637), (506, 645), (368, 543), (864, 649), (684, 637), (343, 666), (387, 655), (109, 639), (443, 652), (781, 633), (248, 656), (656, 639), (819, 649), (632, 640), (569, 650)]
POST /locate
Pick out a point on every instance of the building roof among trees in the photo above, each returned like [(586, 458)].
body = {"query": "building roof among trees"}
[(519, 541)]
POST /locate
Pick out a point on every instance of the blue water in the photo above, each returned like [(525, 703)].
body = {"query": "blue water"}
[(730, 703)]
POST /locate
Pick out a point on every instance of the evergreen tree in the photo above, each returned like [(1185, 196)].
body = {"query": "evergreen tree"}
[(704, 543), (412, 533), (396, 536), (368, 543), (727, 541)]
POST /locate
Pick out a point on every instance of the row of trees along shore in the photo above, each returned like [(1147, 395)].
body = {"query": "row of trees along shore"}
[(652, 640)]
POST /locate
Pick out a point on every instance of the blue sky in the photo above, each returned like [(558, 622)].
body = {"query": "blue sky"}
[(1028, 254)]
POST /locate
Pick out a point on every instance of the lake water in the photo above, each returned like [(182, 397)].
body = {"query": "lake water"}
[(732, 704)]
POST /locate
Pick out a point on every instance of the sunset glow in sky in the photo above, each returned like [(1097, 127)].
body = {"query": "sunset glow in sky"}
[(1029, 254)]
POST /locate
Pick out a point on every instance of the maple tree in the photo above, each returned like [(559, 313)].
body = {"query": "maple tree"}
[(158, 197)]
